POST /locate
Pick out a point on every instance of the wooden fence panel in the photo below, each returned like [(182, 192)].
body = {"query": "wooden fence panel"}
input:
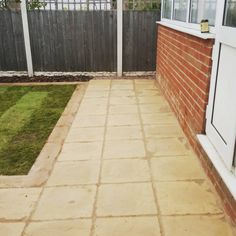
[(12, 49), (73, 40), (139, 40), (78, 40)]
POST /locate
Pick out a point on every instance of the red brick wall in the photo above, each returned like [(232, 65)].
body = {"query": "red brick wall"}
[(184, 66), (183, 73)]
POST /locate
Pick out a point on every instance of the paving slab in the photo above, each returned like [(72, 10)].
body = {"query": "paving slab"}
[(74, 173), (152, 100), (122, 100), (89, 121), (123, 109), (85, 134), (124, 169), (81, 151), (60, 228), (124, 149), (11, 229), (152, 108), (65, 203), (123, 119), (196, 225), (187, 197), (170, 130), (127, 226), (124, 132), (167, 146), (126, 200), (17, 203), (158, 118), (162, 170)]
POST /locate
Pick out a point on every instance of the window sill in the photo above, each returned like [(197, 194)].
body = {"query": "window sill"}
[(228, 177), (186, 30)]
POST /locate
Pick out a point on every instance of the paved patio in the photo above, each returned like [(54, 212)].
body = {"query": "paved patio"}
[(125, 169)]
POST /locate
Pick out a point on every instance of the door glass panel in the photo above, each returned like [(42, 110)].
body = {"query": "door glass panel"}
[(203, 9), (230, 13), (180, 10)]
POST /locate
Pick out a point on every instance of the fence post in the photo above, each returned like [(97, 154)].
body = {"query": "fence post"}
[(26, 38), (119, 36)]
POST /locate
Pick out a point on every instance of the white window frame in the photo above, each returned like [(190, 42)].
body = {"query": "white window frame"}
[(186, 24)]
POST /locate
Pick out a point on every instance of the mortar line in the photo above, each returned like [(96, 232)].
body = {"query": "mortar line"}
[(94, 216), (28, 219), (220, 214), (129, 182), (126, 158), (159, 219), (99, 140)]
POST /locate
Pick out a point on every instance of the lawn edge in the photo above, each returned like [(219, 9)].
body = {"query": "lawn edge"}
[(43, 165)]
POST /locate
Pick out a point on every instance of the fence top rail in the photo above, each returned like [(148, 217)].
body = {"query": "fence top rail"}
[(81, 5)]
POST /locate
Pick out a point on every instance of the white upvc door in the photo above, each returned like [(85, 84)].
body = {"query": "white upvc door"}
[(221, 112)]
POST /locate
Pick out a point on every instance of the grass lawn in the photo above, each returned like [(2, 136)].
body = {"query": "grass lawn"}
[(28, 114)]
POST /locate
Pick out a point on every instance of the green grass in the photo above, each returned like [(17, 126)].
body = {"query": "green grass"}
[(28, 115)]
